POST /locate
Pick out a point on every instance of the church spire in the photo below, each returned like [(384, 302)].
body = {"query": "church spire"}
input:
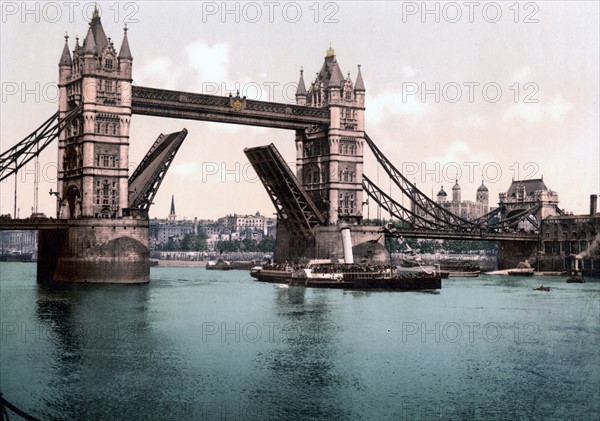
[(172, 215), (125, 52), (65, 58)]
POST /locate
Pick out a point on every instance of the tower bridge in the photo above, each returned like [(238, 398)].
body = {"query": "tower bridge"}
[(100, 233)]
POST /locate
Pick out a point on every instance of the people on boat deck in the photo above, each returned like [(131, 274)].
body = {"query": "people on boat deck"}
[(330, 267)]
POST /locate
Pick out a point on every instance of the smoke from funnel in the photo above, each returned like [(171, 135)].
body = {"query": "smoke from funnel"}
[(592, 250)]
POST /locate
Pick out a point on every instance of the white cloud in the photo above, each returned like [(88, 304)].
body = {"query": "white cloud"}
[(210, 62), (408, 71), (532, 113), (158, 72), (559, 107), (538, 113), (392, 104), (521, 74)]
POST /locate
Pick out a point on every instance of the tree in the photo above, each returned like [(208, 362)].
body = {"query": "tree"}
[(227, 245), (266, 245)]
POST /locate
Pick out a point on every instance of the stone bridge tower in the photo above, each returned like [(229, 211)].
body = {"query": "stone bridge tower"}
[(521, 196), (330, 159), (93, 150), (526, 194), (104, 241)]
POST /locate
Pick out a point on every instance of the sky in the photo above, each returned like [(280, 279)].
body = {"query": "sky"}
[(472, 91)]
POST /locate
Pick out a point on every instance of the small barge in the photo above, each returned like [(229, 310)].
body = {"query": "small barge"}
[(225, 265), (466, 274), (520, 272)]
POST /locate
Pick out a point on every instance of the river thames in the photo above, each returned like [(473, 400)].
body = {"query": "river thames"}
[(209, 345)]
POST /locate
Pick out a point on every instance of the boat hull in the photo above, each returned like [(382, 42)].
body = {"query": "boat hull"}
[(399, 283), (520, 272), (470, 274), (273, 276), (413, 282)]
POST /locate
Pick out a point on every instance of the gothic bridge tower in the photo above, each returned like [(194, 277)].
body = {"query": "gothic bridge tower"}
[(330, 159), (93, 151), (102, 242)]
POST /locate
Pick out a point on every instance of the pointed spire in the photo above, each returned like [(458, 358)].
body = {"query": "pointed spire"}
[(172, 213), (89, 45), (301, 87), (99, 36), (360, 85), (125, 52), (336, 76), (96, 14), (65, 58)]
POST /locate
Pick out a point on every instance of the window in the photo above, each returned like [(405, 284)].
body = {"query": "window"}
[(324, 175), (109, 64)]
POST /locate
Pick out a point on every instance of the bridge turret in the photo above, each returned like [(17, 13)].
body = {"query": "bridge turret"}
[(65, 72), (125, 57), (301, 90), (65, 62)]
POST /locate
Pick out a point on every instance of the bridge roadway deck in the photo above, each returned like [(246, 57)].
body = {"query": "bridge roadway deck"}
[(465, 235), (49, 223), (192, 106), (33, 224)]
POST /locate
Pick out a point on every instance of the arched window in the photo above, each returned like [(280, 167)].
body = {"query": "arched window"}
[(315, 174)]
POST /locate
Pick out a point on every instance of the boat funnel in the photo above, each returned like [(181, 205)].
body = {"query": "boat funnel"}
[(347, 243)]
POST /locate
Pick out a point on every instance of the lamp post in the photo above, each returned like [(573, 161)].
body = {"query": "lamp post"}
[(388, 232), (58, 201), (368, 209)]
